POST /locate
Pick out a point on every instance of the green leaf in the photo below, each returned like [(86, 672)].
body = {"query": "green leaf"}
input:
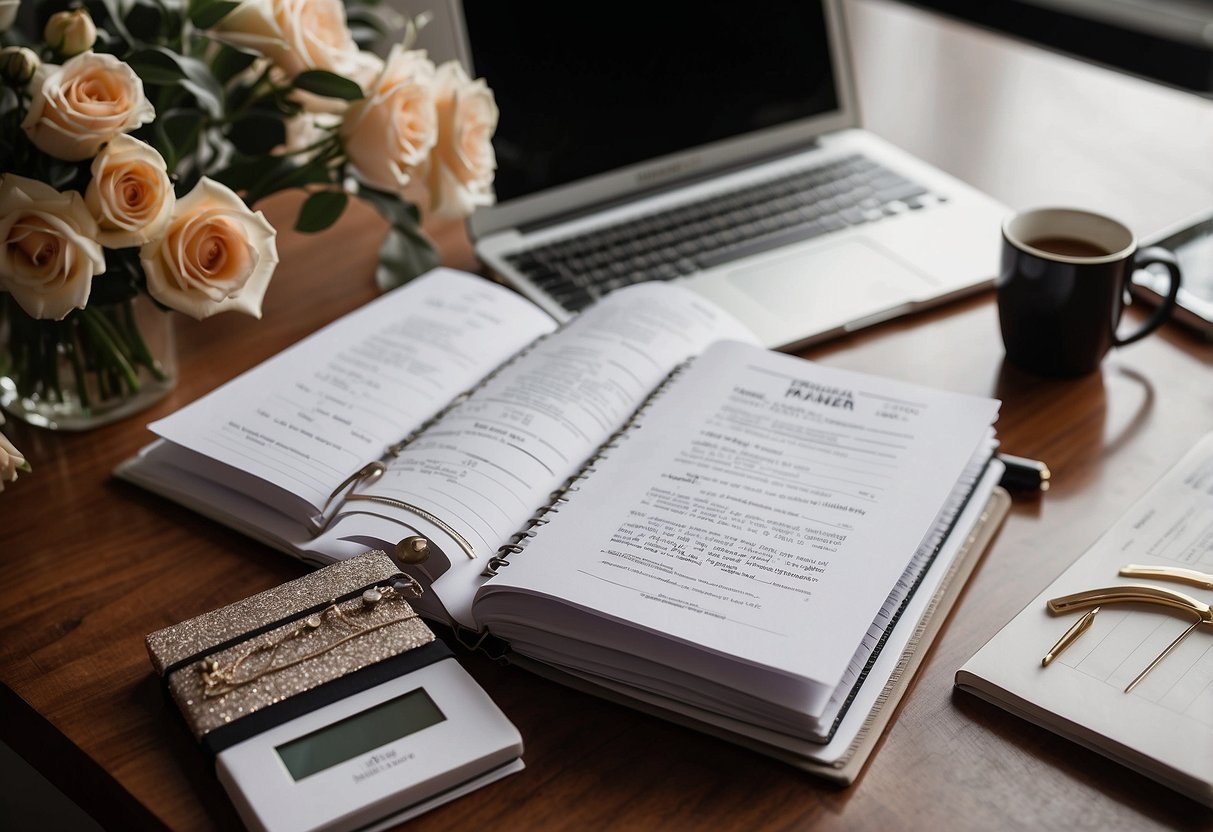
[(243, 174), (122, 277), (313, 173), (228, 63), (155, 66), (390, 206), (117, 17), (161, 66), (256, 133), (328, 85), (406, 253), (175, 134), (144, 21), (206, 13), (261, 176), (320, 210), (202, 85), (61, 175)]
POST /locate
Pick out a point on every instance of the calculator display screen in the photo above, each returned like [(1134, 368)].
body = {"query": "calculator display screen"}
[(362, 732)]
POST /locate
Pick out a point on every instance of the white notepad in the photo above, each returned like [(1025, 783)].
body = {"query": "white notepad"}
[(1164, 727)]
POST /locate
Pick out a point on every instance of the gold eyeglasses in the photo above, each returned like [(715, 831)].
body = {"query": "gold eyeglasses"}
[(1138, 594)]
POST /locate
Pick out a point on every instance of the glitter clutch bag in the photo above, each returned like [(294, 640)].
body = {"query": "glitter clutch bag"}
[(241, 669)]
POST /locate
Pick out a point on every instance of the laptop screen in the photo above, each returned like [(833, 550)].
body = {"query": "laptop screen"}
[(588, 88)]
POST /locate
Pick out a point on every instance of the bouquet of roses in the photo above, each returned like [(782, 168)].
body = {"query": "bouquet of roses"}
[(139, 133)]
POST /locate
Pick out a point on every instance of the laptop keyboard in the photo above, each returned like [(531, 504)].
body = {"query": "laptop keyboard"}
[(662, 246)]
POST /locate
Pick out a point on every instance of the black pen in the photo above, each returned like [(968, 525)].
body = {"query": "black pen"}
[(1024, 474)]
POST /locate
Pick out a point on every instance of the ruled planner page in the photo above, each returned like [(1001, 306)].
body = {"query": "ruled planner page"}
[(306, 419), (761, 512)]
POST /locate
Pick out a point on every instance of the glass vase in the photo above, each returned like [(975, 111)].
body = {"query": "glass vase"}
[(97, 365)]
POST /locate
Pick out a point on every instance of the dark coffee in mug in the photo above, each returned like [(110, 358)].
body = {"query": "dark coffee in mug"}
[(1069, 246), (1061, 289)]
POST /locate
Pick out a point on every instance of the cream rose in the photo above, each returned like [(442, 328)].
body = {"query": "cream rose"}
[(388, 135), (298, 35), (462, 165), (81, 105), (216, 255), (11, 461), (48, 248), (251, 26), (130, 195)]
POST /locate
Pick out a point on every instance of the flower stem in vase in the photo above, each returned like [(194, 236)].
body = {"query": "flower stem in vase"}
[(72, 349), (110, 350), (139, 347), (96, 365)]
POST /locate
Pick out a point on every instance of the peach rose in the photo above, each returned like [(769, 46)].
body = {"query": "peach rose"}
[(83, 104), (298, 35), (388, 135), (48, 248), (130, 195), (216, 255), (463, 163), (251, 26), (11, 461)]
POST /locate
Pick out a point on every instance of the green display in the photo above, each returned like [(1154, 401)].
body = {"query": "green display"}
[(357, 734)]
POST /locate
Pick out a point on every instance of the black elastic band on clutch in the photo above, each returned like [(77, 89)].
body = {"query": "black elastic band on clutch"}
[(258, 722), (273, 625)]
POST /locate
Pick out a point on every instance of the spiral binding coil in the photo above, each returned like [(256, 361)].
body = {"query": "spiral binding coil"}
[(374, 470), (519, 540), (398, 448)]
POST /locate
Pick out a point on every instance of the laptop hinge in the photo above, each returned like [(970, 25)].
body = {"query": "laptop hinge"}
[(677, 182)]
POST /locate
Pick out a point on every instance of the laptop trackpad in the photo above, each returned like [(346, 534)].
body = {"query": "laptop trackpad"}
[(838, 284)]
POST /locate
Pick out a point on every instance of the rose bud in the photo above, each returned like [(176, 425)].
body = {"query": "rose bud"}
[(11, 461), (70, 32), (18, 65)]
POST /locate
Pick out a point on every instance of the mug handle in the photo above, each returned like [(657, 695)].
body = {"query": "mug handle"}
[(1145, 257)]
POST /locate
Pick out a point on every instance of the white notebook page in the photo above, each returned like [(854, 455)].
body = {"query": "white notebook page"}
[(1164, 727), (762, 510), (309, 417)]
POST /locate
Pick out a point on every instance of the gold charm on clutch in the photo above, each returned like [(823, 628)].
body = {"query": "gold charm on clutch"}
[(231, 662), (220, 679)]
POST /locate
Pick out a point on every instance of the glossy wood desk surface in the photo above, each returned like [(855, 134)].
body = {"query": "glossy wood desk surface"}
[(91, 565)]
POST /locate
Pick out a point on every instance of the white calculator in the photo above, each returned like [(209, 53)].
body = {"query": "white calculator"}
[(375, 758)]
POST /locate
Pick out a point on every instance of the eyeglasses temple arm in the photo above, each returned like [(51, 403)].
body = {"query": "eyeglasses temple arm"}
[(1132, 593), (1169, 573)]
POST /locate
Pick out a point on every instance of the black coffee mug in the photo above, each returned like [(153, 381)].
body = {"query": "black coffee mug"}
[(1061, 289)]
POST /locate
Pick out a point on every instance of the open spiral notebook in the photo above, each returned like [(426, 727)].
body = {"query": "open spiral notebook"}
[(643, 501)]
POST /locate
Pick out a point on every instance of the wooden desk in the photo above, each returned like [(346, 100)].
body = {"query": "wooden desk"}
[(91, 565)]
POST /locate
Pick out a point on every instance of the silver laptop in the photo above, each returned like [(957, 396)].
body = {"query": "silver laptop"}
[(717, 146)]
